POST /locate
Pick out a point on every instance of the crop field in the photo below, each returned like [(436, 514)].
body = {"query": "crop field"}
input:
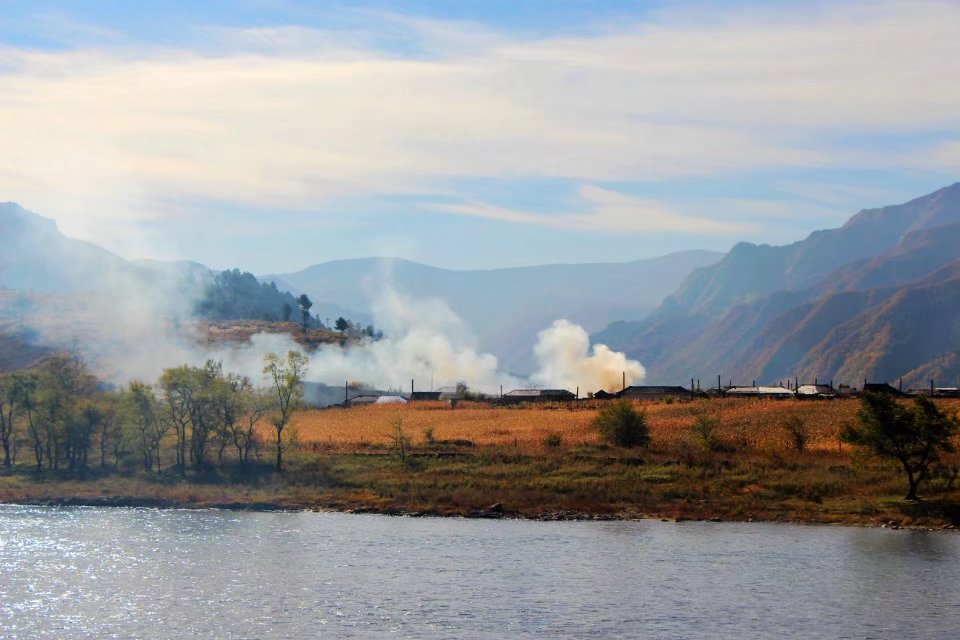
[(745, 423)]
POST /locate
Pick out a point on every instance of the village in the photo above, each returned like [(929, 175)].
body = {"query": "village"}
[(358, 397)]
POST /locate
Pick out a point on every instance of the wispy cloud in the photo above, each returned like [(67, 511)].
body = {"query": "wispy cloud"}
[(294, 117), (604, 211)]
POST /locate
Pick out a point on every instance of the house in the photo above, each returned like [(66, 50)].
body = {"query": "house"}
[(816, 391), (604, 395), (644, 392), (423, 396), (759, 392), (882, 387), (370, 399), (537, 395)]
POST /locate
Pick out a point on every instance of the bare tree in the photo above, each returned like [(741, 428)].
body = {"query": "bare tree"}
[(286, 377)]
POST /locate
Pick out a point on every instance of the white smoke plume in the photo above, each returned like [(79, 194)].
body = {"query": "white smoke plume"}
[(134, 337), (566, 361)]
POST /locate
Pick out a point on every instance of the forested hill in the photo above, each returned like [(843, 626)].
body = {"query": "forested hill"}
[(238, 295)]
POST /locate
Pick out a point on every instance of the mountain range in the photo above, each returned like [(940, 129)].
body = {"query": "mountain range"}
[(503, 308), (878, 298)]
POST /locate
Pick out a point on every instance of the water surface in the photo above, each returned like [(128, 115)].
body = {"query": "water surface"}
[(88, 572)]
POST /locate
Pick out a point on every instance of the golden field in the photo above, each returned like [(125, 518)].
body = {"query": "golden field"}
[(746, 423)]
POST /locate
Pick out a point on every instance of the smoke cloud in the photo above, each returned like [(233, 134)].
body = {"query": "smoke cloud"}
[(135, 332), (566, 361)]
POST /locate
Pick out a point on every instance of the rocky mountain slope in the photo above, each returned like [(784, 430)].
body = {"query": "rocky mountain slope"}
[(876, 298)]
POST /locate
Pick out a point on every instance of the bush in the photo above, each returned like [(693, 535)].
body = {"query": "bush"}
[(705, 429), (621, 424), (553, 440), (797, 431), (428, 435)]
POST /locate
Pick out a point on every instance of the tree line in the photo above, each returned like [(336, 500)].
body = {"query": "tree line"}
[(59, 416)]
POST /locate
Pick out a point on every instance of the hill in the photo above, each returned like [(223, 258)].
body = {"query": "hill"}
[(842, 304), (506, 307)]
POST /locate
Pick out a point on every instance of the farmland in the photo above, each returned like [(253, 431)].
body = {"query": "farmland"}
[(547, 462), (748, 424)]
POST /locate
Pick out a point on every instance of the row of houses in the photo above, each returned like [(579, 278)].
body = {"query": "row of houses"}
[(655, 393)]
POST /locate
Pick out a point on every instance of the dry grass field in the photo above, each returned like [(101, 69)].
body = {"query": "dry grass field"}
[(746, 424)]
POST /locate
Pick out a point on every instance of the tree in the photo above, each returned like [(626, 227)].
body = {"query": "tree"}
[(286, 378), (621, 424), (915, 437), (148, 427), (305, 303), (342, 324), (287, 311), (256, 404), (63, 385), (11, 396), (178, 392)]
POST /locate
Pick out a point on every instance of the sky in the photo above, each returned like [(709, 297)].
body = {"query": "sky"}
[(275, 135)]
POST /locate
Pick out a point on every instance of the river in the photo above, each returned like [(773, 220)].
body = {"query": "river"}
[(85, 572)]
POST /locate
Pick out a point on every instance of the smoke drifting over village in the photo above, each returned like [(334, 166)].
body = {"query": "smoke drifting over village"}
[(425, 341)]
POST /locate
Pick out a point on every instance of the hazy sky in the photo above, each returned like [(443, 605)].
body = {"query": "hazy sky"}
[(273, 135)]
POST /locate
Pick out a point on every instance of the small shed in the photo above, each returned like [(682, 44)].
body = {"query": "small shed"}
[(537, 395), (604, 395), (882, 387), (371, 399), (424, 396), (777, 393), (646, 392), (816, 391)]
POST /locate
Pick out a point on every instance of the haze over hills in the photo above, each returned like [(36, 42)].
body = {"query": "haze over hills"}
[(875, 298), (503, 309), (506, 308)]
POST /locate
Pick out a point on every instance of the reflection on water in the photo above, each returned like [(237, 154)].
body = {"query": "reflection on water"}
[(92, 572)]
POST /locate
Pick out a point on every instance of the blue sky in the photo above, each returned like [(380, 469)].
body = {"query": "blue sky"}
[(274, 135)]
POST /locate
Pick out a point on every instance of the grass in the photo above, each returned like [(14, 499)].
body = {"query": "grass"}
[(478, 456)]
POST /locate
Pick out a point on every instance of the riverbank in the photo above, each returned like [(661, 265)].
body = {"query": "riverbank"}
[(543, 463), (577, 483)]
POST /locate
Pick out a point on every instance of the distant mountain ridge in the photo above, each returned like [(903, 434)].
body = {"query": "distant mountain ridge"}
[(843, 303), (506, 307)]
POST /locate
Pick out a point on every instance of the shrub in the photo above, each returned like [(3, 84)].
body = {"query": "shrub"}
[(797, 431), (428, 435), (621, 424), (705, 428), (553, 440)]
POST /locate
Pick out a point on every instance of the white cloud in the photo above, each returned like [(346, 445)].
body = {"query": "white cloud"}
[(293, 118), (604, 211)]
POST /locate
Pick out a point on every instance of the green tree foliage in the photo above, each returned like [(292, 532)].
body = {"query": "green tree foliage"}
[(58, 410), (238, 295), (620, 423), (305, 305), (342, 324), (148, 426), (15, 390), (286, 377), (913, 436)]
